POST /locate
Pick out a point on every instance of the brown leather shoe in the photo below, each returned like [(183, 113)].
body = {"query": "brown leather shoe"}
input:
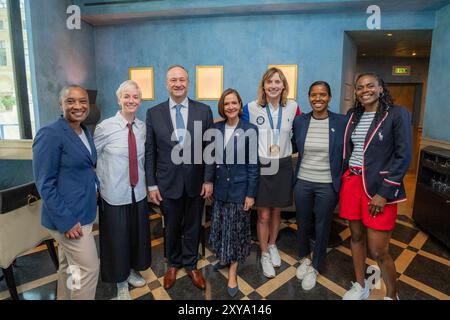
[(197, 278), (170, 277)]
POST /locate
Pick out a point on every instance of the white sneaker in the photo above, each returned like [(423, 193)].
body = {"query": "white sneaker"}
[(136, 280), (274, 255), (123, 293), (302, 268), (309, 281), (356, 292), (267, 266)]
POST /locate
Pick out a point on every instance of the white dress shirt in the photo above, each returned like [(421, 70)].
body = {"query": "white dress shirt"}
[(111, 142), (229, 130)]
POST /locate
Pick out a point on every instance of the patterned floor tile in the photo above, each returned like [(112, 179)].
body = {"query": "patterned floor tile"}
[(31, 267), (251, 270), (339, 268), (407, 292), (431, 273), (435, 247), (403, 233), (293, 290), (424, 277)]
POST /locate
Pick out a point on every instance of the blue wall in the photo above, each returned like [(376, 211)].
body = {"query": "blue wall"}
[(244, 45), (437, 112), (58, 56)]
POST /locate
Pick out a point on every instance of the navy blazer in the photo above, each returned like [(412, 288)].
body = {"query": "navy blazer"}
[(237, 173), (172, 179), (337, 124), (64, 173), (387, 154)]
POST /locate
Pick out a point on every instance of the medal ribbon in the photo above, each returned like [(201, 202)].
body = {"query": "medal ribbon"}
[(276, 134)]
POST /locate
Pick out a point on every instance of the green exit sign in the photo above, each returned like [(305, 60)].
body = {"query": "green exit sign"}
[(401, 70)]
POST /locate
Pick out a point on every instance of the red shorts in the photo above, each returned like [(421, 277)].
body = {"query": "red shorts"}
[(354, 205)]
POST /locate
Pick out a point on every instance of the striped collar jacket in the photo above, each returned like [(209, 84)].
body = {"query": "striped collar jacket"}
[(386, 155)]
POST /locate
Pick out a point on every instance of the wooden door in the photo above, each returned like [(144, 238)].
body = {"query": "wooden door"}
[(404, 95)]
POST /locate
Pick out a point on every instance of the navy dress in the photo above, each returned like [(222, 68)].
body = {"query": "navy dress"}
[(236, 178)]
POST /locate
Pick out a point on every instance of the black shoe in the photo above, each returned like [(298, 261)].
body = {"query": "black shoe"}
[(232, 291)]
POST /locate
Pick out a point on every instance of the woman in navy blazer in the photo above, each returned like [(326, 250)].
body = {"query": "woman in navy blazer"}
[(64, 160), (377, 154), (318, 137), (235, 186)]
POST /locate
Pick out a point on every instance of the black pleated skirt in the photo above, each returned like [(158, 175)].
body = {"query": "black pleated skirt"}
[(276, 190), (124, 240)]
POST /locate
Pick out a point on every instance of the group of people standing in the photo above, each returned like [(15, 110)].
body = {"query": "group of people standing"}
[(358, 160)]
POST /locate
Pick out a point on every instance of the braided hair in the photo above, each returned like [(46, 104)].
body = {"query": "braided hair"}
[(385, 100)]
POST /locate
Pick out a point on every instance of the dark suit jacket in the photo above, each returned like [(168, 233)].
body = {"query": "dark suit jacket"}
[(170, 177), (337, 124), (237, 175), (64, 173), (387, 154)]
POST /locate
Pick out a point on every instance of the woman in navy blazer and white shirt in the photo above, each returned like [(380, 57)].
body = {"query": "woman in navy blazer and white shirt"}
[(318, 137), (235, 186), (377, 153), (64, 160)]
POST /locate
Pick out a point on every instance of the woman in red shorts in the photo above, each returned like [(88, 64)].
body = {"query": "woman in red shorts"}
[(377, 153)]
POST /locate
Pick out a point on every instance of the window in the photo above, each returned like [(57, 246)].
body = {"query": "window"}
[(3, 60), (16, 110)]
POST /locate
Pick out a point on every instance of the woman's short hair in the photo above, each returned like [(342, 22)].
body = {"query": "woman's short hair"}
[(65, 90), (221, 104), (262, 99), (320, 83), (125, 85)]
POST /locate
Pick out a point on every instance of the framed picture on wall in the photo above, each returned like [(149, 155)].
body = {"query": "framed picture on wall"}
[(144, 78), (290, 72), (209, 82)]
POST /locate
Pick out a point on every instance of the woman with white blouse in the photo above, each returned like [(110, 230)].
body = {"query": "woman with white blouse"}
[(274, 115), (124, 228)]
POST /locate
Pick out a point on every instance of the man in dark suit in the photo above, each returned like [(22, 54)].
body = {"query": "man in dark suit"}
[(180, 189)]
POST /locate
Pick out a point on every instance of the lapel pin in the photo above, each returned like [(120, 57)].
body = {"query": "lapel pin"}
[(380, 136)]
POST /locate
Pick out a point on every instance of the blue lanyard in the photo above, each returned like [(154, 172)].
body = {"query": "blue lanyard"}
[(276, 134)]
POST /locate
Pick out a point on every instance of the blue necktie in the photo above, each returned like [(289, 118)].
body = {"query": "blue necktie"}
[(180, 123)]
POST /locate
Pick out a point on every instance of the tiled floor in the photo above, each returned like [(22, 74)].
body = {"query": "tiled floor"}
[(423, 266)]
